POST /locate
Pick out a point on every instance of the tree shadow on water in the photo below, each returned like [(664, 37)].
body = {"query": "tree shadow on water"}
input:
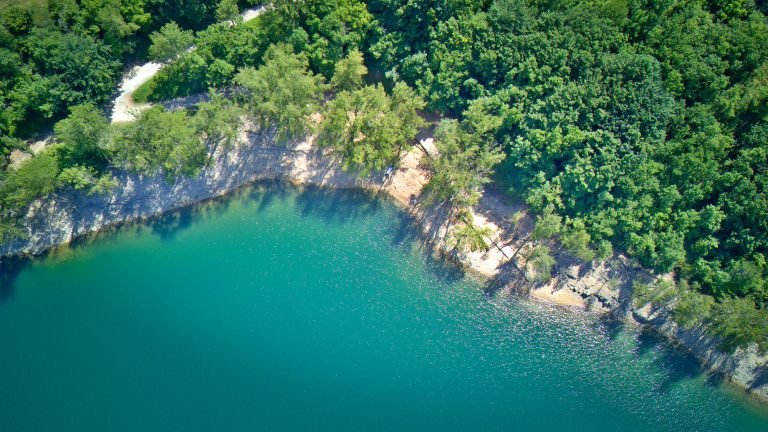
[(10, 269), (442, 266), (336, 205), (676, 363), (611, 326), (264, 194), (168, 225)]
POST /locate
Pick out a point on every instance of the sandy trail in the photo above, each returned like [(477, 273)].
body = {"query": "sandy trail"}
[(125, 109)]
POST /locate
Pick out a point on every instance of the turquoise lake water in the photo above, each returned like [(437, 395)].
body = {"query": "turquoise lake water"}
[(287, 309)]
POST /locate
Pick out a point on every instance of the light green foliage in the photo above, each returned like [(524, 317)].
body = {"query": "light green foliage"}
[(227, 10), (17, 19), (349, 72), (547, 226), (144, 92), (185, 76), (738, 322), (464, 164), (35, 178), (159, 141), (657, 293), (540, 264), (79, 177), (104, 184), (468, 236), (219, 73), (406, 105), (282, 92), (368, 128), (576, 242), (218, 119), (82, 135), (693, 308), (169, 42)]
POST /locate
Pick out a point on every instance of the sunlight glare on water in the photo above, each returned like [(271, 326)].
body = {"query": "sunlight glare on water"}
[(297, 309)]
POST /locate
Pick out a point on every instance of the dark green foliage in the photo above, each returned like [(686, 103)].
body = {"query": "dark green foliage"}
[(326, 31), (641, 124), (83, 69), (59, 53)]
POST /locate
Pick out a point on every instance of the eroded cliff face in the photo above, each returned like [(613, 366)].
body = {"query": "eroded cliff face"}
[(746, 367), (66, 215), (604, 287)]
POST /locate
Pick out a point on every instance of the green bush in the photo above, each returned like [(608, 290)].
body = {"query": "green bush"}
[(739, 323), (657, 293), (143, 94), (693, 308)]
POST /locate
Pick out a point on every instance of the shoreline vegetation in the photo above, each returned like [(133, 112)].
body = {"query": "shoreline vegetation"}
[(583, 111)]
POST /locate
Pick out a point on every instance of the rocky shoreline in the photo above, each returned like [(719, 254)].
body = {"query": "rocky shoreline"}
[(604, 287)]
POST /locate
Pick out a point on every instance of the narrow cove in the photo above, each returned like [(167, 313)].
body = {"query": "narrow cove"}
[(295, 309)]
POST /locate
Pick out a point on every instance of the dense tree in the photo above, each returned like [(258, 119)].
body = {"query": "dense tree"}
[(738, 322), (641, 125), (84, 69), (227, 10), (325, 30), (169, 42), (35, 177), (159, 141), (349, 72), (369, 128), (282, 92), (82, 136), (464, 165)]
